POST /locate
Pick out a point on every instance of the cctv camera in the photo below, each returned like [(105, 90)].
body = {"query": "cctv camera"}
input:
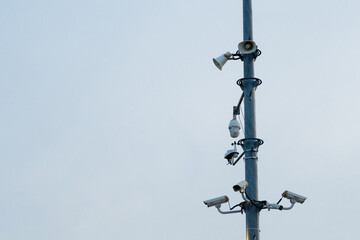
[(241, 186), (230, 155), (234, 128), (216, 201), (293, 196)]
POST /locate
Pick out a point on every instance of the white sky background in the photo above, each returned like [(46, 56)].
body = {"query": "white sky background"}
[(114, 118)]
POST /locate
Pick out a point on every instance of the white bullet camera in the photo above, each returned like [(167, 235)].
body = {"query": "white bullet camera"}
[(241, 186), (234, 128), (216, 201), (220, 61), (294, 197)]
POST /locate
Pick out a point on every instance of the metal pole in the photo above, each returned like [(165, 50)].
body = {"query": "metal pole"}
[(250, 144)]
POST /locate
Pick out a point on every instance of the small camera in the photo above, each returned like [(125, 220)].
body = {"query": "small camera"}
[(294, 197), (216, 201), (241, 186), (234, 128), (231, 154)]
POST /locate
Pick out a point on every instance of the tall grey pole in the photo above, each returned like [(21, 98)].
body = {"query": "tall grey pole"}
[(248, 52), (250, 143)]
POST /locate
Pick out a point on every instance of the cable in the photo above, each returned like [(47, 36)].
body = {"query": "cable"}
[(238, 158), (237, 205), (255, 202), (241, 112)]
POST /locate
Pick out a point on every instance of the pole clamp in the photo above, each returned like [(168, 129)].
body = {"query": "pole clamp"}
[(238, 55), (252, 80), (250, 144)]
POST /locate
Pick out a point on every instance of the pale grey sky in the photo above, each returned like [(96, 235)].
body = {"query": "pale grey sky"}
[(114, 119)]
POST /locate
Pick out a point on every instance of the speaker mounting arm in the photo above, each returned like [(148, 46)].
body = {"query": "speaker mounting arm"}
[(238, 55)]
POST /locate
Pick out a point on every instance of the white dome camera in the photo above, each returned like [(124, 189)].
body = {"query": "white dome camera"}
[(234, 128)]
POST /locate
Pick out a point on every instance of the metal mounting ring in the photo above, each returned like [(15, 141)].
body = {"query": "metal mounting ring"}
[(258, 80), (242, 141)]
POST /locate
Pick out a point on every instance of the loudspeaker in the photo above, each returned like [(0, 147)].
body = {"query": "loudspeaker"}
[(220, 61), (247, 47)]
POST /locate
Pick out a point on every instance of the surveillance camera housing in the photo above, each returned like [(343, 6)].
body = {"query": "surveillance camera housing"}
[(293, 196), (234, 128), (231, 154), (216, 201), (241, 186)]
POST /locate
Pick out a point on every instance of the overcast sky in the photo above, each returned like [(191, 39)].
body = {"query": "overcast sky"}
[(114, 118)]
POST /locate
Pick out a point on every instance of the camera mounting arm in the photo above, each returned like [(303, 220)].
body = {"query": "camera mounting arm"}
[(236, 109), (279, 207), (227, 212), (292, 205)]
